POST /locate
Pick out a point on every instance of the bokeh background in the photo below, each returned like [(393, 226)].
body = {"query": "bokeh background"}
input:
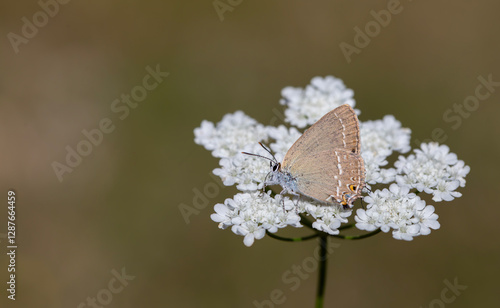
[(119, 208)]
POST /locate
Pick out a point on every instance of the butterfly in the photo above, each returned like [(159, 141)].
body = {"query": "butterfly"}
[(325, 163)]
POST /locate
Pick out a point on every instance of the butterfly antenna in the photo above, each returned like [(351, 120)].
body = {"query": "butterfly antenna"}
[(258, 156), (274, 160), (268, 151)]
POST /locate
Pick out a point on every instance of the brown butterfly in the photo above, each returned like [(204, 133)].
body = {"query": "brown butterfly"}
[(325, 163)]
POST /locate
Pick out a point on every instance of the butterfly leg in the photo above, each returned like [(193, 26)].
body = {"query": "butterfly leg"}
[(264, 188), (282, 194), (297, 199), (344, 204), (366, 188)]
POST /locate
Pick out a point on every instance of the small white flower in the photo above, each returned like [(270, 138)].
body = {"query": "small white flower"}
[(284, 138), (459, 171), (250, 230), (226, 214), (426, 219), (366, 222), (406, 232), (386, 176), (328, 218), (446, 190)]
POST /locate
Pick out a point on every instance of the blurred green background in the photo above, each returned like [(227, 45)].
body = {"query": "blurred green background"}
[(119, 208)]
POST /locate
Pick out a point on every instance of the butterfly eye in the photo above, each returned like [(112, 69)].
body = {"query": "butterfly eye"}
[(275, 167)]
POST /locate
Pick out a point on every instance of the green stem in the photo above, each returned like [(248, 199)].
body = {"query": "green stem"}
[(306, 222), (292, 239), (323, 242), (320, 294), (346, 226), (357, 237)]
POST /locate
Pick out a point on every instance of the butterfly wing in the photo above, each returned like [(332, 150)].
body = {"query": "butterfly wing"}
[(338, 129), (330, 174)]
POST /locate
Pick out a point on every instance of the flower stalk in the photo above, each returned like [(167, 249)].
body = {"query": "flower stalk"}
[(323, 251), (323, 258)]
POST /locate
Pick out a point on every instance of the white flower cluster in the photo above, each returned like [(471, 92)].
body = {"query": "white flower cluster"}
[(230, 135), (398, 209), (432, 169), (235, 133), (306, 106), (251, 214), (378, 141)]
